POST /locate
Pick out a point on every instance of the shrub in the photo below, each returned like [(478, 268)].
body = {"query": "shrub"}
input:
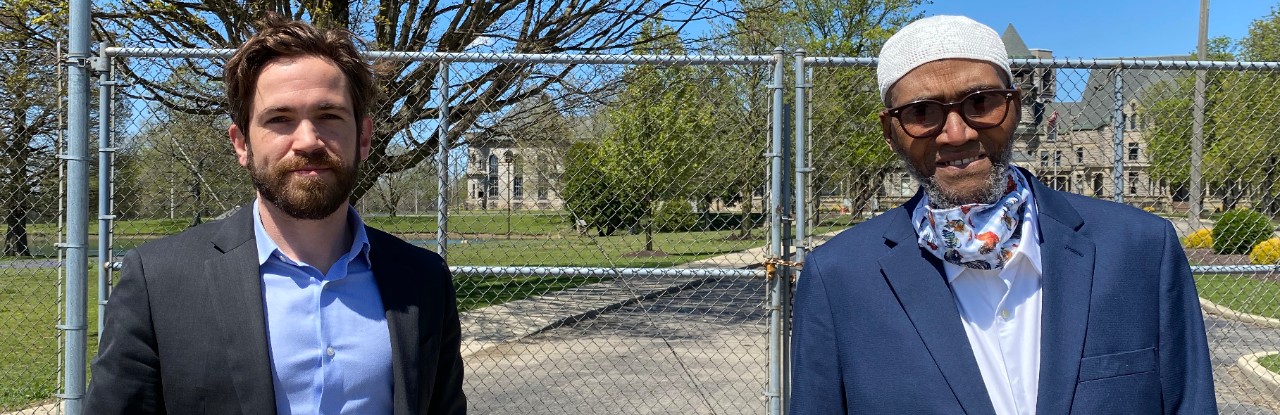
[(1266, 253), (1238, 230), (1201, 239), (675, 216)]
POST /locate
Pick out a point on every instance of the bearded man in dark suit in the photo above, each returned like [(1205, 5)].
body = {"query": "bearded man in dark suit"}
[(291, 305)]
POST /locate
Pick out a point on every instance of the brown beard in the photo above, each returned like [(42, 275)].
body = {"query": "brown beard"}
[(307, 198)]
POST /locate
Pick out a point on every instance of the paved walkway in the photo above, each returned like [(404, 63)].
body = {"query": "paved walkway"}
[(490, 326)]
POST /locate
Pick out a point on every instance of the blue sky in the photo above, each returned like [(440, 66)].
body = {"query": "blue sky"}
[(1110, 28)]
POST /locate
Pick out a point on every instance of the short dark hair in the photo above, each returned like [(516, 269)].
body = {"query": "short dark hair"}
[(279, 37)]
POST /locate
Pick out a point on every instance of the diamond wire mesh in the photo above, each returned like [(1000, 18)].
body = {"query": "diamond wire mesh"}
[(1065, 137), (651, 164), (30, 275), (573, 137)]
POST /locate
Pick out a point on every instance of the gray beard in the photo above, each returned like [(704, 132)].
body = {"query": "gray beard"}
[(941, 199)]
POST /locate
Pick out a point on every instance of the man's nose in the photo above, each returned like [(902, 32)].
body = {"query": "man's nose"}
[(955, 131), (306, 138)]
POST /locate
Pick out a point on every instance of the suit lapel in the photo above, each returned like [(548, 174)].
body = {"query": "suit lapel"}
[(923, 292), (398, 294), (235, 284), (1067, 259)]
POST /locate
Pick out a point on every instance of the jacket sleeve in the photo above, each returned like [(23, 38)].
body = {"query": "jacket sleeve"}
[(448, 397), (817, 383), (126, 372), (1186, 375)]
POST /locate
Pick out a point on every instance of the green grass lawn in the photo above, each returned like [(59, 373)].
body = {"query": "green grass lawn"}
[(30, 308), (1271, 362), (1240, 293), (30, 298), (30, 305)]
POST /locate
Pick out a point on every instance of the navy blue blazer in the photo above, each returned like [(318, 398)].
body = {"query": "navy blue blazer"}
[(876, 329)]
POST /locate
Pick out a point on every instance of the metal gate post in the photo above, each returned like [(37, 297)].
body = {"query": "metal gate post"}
[(106, 151), (776, 280), (74, 325), (1117, 139), (442, 165)]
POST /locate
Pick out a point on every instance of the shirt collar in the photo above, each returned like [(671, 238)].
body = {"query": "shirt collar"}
[(268, 247)]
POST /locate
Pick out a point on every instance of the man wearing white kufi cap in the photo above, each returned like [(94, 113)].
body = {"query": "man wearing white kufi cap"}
[(987, 292)]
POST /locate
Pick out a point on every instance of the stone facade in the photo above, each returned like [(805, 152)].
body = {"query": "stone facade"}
[(502, 175)]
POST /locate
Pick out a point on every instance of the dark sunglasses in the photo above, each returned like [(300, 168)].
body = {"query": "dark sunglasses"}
[(980, 110)]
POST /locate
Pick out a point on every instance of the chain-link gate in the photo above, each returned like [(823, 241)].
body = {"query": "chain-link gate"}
[(605, 216), (1152, 134)]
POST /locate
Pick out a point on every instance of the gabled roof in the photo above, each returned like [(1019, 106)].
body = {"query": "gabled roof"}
[(1097, 99), (1013, 44)]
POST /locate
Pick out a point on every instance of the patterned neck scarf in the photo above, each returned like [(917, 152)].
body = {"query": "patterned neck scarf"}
[(977, 236)]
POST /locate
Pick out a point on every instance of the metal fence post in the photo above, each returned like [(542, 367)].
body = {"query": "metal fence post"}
[(106, 150), (1117, 140), (801, 241), (442, 169), (73, 325), (777, 173)]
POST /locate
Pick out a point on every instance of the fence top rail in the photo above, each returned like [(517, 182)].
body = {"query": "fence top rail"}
[(562, 58), (1076, 63)]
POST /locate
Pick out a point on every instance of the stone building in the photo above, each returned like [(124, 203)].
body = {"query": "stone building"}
[(502, 175)]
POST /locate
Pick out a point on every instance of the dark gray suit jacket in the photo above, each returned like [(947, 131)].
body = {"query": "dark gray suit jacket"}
[(185, 331)]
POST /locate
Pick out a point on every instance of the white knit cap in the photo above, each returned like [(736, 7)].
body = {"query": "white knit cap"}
[(935, 38)]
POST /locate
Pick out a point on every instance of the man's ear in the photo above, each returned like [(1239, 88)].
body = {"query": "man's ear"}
[(886, 128), (240, 142), (366, 138)]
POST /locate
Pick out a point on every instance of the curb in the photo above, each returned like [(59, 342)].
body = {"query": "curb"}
[(1262, 377), (1211, 308)]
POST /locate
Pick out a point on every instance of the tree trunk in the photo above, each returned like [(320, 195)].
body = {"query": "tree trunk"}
[(15, 234), (1231, 195), (648, 229), (744, 228), (198, 207), (1270, 206)]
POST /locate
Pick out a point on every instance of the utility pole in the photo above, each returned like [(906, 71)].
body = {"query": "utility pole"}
[(1197, 124)]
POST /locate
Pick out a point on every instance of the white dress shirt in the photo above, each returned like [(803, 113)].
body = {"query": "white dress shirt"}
[(1001, 312)]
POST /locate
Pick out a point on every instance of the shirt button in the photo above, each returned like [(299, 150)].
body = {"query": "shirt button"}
[(329, 351), (1004, 314)]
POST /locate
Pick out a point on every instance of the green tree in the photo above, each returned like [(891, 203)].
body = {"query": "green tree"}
[(655, 145), (1248, 144), (740, 96), (591, 196), (181, 163), (844, 102), (29, 31), (1241, 145)]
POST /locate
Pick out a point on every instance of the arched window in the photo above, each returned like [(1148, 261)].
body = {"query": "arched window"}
[(517, 176), (493, 176)]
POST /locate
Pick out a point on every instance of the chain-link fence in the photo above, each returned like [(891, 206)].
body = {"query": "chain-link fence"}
[(607, 217), (30, 186)]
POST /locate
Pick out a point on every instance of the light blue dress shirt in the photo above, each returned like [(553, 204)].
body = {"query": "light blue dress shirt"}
[(330, 348)]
